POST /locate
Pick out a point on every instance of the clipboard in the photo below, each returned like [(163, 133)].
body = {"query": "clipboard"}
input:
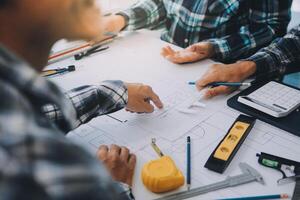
[(290, 123)]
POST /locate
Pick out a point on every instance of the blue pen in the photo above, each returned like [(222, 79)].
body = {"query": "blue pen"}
[(215, 84), (276, 196), (188, 162)]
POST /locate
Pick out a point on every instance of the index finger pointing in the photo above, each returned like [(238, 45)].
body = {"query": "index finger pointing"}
[(155, 99)]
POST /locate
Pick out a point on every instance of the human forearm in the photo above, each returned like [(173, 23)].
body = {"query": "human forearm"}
[(245, 69), (110, 96), (274, 59), (114, 23), (90, 101), (243, 43), (144, 14), (266, 21)]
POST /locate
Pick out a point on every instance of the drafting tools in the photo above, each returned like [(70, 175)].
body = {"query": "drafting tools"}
[(67, 53), (249, 175), (91, 51), (230, 144), (188, 163), (52, 72), (290, 170), (161, 175)]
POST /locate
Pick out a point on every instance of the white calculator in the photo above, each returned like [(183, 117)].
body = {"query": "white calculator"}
[(275, 99)]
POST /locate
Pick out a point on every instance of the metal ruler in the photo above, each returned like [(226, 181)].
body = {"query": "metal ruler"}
[(249, 175)]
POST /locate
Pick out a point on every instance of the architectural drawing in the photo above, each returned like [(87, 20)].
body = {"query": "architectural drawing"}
[(206, 128)]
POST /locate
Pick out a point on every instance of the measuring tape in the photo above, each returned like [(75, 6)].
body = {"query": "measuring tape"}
[(161, 175)]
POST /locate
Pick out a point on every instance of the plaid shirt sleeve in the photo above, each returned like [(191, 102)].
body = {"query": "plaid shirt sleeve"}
[(268, 19), (38, 162), (91, 101), (144, 14), (274, 59)]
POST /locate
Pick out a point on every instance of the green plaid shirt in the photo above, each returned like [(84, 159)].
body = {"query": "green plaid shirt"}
[(236, 28), (282, 56)]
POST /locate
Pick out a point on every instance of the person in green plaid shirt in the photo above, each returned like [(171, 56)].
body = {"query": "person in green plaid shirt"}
[(282, 56), (225, 30)]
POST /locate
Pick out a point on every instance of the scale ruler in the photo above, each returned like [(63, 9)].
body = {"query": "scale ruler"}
[(249, 175)]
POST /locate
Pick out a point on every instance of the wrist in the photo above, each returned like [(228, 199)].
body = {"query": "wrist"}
[(114, 23), (212, 50), (119, 22), (246, 69)]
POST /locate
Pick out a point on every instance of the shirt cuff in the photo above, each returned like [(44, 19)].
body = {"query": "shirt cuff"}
[(117, 91), (265, 65), (126, 18), (221, 49)]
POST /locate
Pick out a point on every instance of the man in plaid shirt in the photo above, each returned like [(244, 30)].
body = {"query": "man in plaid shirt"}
[(36, 159), (225, 30), (279, 58)]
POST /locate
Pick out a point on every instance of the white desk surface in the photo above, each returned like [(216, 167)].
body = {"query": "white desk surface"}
[(136, 58)]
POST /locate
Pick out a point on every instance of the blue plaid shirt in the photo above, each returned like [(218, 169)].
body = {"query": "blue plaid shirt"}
[(236, 28), (280, 57), (36, 159)]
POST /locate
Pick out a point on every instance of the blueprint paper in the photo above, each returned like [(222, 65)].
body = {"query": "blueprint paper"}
[(207, 126)]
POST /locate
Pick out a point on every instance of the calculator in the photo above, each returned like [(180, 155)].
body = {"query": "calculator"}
[(275, 99)]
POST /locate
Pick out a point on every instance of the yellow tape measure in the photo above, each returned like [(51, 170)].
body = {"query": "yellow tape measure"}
[(161, 175)]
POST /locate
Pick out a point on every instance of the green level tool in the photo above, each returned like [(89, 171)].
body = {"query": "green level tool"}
[(249, 175), (290, 170)]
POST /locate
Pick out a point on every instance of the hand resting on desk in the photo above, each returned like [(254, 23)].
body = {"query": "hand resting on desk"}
[(193, 53), (237, 72)]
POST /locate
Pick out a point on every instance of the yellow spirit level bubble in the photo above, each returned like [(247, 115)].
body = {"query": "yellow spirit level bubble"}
[(221, 157), (235, 134)]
